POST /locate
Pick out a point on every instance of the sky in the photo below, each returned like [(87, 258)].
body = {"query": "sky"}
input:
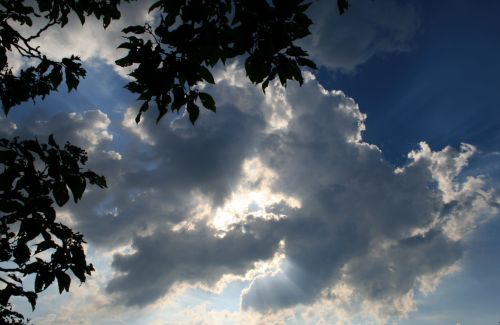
[(367, 196)]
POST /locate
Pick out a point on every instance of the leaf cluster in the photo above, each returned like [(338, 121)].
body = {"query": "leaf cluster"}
[(170, 60), (32, 241), (191, 37), (45, 75)]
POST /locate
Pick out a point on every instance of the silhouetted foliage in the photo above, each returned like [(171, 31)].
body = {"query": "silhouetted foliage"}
[(32, 241), (191, 37), (170, 60), (45, 75)]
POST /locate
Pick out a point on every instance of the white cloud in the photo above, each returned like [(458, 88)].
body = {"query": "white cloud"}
[(130, 125)]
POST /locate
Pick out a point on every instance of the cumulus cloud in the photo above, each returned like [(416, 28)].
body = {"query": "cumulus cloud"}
[(220, 198), (345, 215), (367, 29)]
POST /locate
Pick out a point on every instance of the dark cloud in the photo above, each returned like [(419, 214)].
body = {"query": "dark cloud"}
[(367, 29), (196, 256)]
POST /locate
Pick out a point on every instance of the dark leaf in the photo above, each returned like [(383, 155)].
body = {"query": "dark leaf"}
[(342, 6), (144, 108), (207, 101), (306, 62), (7, 156), (206, 75), (22, 253), (31, 296), (79, 271), (71, 80), (77, 186), (52, 142), (134, 29), (193, 111), (155, 5), (63, 281), (296, 51), (125, 61), (60, 193)]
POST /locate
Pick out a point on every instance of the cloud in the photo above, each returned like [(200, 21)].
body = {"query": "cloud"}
[(189, 256), (284, 173), (7, 128), (88, 129), (362, 221), (358, 219), (199, 203), (344, 42), (90, 41), (367, 29)]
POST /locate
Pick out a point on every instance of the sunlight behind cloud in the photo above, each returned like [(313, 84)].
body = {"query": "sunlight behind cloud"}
[(252, 196)]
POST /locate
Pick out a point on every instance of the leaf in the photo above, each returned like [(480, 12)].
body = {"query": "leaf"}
[(31, 228), (126, 45), (3, 57), (207, 101), (257, 68), (55, 76), (155, 5), (125, 61), (78, 271), (162, 110), (265, 84), (60, 193), (7, 156), (144, 108), (134, 29), (296, 73), (193, 111), (38, 282), (295, 51), (63, 281), (303, 20), (206, 75), (71, 80), (43, 66), (43, 246), (81, 16), (52, 142), (31, 296), (77, 186), (342, 6), (306, 62), (49, 212), (22, 253)]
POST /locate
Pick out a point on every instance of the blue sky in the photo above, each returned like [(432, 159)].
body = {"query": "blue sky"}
[(444, 90), (288, 208)]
